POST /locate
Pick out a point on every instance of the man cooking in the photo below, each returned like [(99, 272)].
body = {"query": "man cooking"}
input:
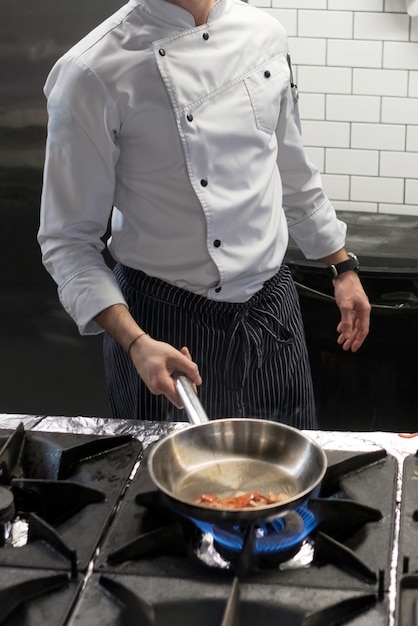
[(178, 120)]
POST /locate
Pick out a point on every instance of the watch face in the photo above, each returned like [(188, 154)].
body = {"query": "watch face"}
[(354, 257)]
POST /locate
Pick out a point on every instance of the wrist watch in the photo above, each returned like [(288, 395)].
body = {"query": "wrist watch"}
[(339, 268)]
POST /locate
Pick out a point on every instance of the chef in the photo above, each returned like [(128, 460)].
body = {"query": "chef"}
[(176, 123)]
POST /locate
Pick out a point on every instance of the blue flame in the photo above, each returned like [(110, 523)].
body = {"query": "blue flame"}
[(270, 537)]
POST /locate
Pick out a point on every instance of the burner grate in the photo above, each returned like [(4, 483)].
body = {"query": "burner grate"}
[(60, 491), (351, 556), (157, 602)]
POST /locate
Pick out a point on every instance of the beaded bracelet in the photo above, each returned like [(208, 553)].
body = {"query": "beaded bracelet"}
[(133, 341)]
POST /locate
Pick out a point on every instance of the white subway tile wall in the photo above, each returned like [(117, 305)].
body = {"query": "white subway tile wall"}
[(413, 85), (411, 193), (414, 30), (412, 139), (356, 66)]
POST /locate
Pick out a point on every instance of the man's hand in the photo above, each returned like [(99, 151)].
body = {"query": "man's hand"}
[(156, 361), (355, 311)]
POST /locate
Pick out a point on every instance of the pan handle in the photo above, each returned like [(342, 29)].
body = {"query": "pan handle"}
[(195, 412)]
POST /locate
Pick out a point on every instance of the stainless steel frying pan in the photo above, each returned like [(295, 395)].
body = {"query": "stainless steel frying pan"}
[(228, 457)]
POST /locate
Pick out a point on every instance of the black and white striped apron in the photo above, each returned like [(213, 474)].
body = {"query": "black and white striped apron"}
[(252, 356)]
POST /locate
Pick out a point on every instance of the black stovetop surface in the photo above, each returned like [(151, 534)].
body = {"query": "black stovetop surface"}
[(83, 583)]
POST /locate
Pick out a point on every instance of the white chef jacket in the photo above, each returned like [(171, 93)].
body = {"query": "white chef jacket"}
[(188, 138)]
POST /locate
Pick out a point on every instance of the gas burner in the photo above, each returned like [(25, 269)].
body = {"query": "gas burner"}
[(339, 533), (272, 543)]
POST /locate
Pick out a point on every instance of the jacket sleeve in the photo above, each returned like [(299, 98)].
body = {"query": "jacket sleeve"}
[(310, 216), (78, 191)]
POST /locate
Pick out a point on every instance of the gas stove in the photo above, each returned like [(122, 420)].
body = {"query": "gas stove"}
[(85, 539)]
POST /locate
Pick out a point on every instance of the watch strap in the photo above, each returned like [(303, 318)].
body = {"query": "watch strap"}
[(352, 263)]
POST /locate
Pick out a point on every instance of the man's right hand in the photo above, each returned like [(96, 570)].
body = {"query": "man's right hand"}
[(155, 362)]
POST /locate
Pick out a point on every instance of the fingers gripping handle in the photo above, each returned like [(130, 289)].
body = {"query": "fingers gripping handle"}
[(195, 412)]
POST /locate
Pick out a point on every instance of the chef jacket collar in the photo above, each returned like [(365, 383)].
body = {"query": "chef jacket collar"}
[(176, 15)]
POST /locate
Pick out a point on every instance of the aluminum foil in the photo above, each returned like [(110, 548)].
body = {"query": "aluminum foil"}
[(11, 421), (146, 431), (149, 431)]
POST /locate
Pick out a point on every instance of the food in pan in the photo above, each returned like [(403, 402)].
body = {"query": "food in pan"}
[(243, 501)]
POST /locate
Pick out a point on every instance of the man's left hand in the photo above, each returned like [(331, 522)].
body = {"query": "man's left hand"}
[(355, 310)]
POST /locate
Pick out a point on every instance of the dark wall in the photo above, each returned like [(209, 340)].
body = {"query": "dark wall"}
[(375, 388), (45, 366)]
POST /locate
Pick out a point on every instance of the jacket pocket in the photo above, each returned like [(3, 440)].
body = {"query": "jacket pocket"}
[(265, 87)]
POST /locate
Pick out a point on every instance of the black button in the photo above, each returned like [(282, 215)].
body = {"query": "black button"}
[(218, 289), (267, 74), (161, 52), (205, 36), (204, 182), (217, 243), (190, 117)]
